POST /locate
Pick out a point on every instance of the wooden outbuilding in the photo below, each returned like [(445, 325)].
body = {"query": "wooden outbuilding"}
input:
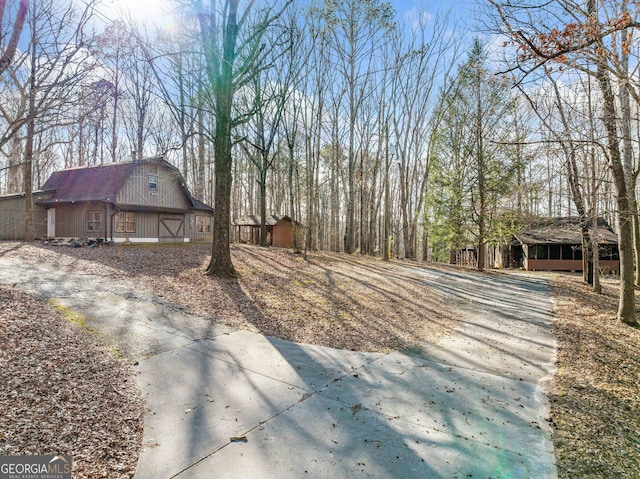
[(280, 230), (144, 201), (555, 244)]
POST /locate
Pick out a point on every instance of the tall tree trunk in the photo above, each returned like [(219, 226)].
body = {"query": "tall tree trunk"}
[(28, 180), (15, 170), (114, 118), (220, 264), (10, 51), (200, 171), (31, 131), (627, 162), (624, 215)]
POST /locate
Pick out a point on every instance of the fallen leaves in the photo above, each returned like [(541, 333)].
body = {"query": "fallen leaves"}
[(61, 392), (595, 399), (331, 299)]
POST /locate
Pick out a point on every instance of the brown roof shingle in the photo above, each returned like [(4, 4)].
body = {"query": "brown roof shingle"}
[(563, 231), (95, 183)]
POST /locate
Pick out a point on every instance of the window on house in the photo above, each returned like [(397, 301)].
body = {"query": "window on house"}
[(540, 251), (203, 224), (609, 252), (94, 221), (153, 182), (125, 222), (567, 251), (554, 251), (577, 252)]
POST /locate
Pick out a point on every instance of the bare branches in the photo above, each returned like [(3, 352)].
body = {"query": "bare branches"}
[(9, 53)]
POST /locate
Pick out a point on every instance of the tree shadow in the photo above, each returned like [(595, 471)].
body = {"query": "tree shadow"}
[(321, 410), (307, 410)]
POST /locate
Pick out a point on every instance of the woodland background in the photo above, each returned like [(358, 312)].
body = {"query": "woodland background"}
[(360, 123)]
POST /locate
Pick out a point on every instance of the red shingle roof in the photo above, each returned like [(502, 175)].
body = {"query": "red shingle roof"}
[(95, 183), (101, 183)]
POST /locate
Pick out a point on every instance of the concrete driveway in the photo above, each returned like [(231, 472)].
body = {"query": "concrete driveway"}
[(233, 404)]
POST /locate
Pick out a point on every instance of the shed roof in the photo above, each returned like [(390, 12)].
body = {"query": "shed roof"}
[(254, 220), (563, 231)]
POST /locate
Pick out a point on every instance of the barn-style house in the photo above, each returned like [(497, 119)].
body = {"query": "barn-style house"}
[(144, 201)]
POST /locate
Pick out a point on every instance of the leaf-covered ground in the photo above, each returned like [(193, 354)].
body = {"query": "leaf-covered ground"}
[(330, 299), (595, 401), (61, 392)]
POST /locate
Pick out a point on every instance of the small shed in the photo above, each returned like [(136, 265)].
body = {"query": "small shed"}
[(280, 230), (555, 244)]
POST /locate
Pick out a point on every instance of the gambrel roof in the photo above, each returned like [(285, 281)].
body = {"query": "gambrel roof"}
[(102, 183), (92, 183)]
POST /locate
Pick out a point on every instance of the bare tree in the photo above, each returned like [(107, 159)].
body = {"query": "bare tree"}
[(422, 67), (43, 80), (582, 36), (357, 29), (233, 50), (10, 50)]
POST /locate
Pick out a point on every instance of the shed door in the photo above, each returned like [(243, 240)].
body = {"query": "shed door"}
[(171, 228), (51, 223)]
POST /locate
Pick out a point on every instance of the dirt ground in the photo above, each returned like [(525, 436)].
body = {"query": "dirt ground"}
[(329, 299)]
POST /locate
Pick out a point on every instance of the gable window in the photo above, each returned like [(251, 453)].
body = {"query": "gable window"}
[(125, 222), (94, 221), (203, 224), (153, 182)]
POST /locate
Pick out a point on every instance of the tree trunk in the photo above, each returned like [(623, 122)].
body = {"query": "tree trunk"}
[(627, 162), (15, 170), (262, 189), (31, 131), (220, 264), (28, 181), (624, 215), (10, 51)]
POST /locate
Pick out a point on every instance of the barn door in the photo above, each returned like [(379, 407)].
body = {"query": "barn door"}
[(171, 229)]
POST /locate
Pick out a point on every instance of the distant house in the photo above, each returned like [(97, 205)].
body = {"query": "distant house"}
[(555, 244), (280, 230), (143, 201)]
